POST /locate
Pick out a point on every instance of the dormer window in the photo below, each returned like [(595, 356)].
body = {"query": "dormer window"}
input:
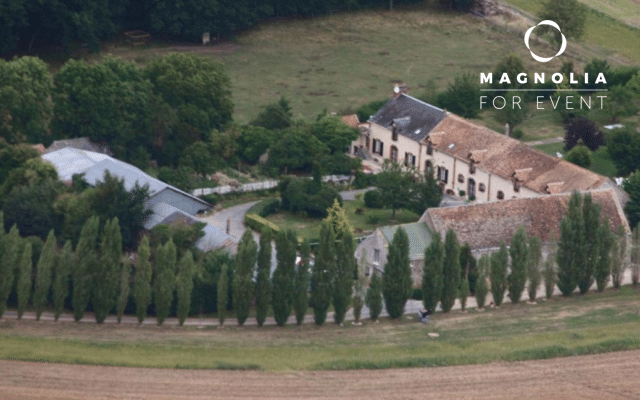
[(429, 149), (500, 195), (472, 168), (394, 132), (516, 186)]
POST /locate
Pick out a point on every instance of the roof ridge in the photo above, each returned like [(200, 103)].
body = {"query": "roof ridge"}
[(423, 102)]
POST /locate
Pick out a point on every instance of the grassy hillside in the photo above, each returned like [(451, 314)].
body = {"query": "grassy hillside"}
[(594, 323)]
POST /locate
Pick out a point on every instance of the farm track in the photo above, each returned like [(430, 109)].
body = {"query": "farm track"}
[(601, 377)]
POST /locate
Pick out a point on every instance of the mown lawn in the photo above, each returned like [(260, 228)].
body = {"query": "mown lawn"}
[(588, 324), (364, 223)]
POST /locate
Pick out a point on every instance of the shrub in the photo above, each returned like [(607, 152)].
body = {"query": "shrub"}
[(517, 133), (373, 199), (265, 208), (212, 198), (462, 193), (579, 155), (257, 223), (374, 219)]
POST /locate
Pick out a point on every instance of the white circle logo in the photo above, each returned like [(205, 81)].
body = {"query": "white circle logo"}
[(544, 59)]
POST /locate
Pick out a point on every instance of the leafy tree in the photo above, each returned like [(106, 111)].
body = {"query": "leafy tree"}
[(498, 277), (432, 273), (45, 267), (635, 257), (366, 111), (23, 282), (512, 65), (295, 150), (11, 257), (165, 279), (461, 97), (33, 171), (393, 184), (142, 279), (373, 299), (359, 288), (484, 265), (396, 279), (582, 129), (323, 270), (301, 302), (60, 289), (519, 259), (623, 146), (593, 68), (300, 195), (283, 284), (632, 209), (181, 177), (107, 101), (633, 85), (243, 289), (275, 116), (605, 241), (550, 274), (513, 113), (343, 278), (198, 157), (254, 141), (13, 157), (620, 102), (13, 18), (223, 296), (108, 271), (591, 217), (198, 89), (450, 271), (337, 218), (125, 288), (184, 286), (85, 262), (571, 247), (334, 133), (533, 267), (424, 193), (25, 99), (619, 257), (263, 284), (570, 15)]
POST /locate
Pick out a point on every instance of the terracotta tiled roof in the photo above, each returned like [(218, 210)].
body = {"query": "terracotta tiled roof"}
[(484, 225), (508, 157), (351, 120)]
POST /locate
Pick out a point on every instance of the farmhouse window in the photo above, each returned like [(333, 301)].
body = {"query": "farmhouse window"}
[(376, 255), (443, 174), (472, 168), (460, 178), (394, 132), (500, 195), (481, 187), (428, 167), (394, 154), (429, 149), (516, 186)]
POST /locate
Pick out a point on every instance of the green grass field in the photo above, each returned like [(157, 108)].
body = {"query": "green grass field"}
[(309, 228), (601, 163), (594, 323)]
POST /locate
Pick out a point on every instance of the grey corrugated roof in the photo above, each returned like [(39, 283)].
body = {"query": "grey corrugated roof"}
[(215, 238), (414, 118), (70, 161), (161, 212)]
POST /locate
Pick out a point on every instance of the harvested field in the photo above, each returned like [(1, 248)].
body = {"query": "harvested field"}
[(601, 377)]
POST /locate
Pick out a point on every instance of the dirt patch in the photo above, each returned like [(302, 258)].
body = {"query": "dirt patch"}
[(601, 377)]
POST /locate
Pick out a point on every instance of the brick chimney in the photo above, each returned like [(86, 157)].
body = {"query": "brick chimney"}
[(506, 130), (398, 89)]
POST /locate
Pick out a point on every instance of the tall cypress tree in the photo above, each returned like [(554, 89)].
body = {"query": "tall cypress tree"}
[(533, 267), (184, 286), (24, 282), (60, 290), (484, 264), (165, 279), (635, 256), (450, 271), (571, 250), (223, 293), (243, 289), (321, 274), (373, 299), (284, 277), (43, 278), (396, 279), (519, 259), (343, 280), (108, 272), (263, 281), (499, 264), (619, 261), (468, 266), (432, 273), (605, 241), (550, 274), (591, 218), (142, 280), (11, 257), (85, 262), (359, 288), (125, 288), (301, 302)]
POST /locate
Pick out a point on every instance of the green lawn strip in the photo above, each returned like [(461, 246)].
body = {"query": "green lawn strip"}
[(561, 327)]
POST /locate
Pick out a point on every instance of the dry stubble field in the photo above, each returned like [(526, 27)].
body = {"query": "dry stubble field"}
[(601, 377)]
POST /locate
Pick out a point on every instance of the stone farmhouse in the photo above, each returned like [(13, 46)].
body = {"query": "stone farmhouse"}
[(469, 160)]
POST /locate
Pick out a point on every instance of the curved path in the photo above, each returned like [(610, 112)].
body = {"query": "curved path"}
[(597, 377)]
